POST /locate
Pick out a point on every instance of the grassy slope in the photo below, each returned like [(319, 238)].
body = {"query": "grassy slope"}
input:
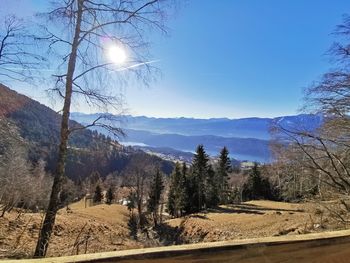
[(106, 227)]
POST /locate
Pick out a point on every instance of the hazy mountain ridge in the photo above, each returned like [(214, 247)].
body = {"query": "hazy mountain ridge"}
[(254, 127), (246, 138), (241, 148)]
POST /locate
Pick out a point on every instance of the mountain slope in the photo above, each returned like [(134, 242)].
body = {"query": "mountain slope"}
[(88, 150)]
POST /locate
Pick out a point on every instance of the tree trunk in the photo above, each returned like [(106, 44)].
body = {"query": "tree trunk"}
[(161, 213), (49, 221)]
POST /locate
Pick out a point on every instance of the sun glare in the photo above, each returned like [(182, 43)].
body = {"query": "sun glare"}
[(116, 54)]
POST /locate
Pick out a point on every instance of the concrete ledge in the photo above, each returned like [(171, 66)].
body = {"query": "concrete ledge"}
[(211, 248)]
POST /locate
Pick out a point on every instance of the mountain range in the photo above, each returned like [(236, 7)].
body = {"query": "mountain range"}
[(176, 138), (246, 138)]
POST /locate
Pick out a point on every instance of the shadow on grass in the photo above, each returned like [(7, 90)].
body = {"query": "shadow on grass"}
[(262, 208), (199, 216), (235, 210), (169, 235), (248, 209)]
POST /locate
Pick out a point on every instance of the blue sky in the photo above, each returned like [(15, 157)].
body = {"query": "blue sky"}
[(233, 58)]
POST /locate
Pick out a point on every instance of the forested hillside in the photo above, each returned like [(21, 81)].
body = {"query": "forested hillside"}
[(89, 151)]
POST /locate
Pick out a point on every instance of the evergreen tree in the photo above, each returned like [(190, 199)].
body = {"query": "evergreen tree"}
[(177, 192), (191, 204), (224, 168), (257, 187), (236, 195), (155, 193), (212, 191), (98, 195), (199, 175), (110, 195), (183, 190), (184, 170)]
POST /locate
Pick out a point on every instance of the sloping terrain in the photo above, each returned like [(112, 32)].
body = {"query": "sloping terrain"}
[(247, 220), (105, 227), (88, 151), (81, 230)]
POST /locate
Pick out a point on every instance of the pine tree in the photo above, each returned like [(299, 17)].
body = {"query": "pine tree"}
[(183, 190), (177, 192), (171, 201), (98, 195), (199, 175), (224, 168), (184, 170), (257, 187), (212, 191), (191, 204), (110, 195), (155, 193)]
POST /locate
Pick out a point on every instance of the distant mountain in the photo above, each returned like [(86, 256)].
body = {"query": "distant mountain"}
[(247, 139), (241, 148), (88, 152), (257, 128)]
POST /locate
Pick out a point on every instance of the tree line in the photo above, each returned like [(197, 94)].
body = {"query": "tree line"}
[(206, 184), (201, 185)]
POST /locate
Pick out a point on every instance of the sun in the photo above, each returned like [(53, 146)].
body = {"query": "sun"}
[(116, 54)]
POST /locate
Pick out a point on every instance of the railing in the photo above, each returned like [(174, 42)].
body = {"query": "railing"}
[(328, 247)]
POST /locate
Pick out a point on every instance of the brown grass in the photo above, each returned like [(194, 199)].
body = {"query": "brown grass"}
[(105, 227)]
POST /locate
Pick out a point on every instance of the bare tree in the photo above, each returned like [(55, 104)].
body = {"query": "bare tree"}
[(80, 33), (20, 186), (324, 153), (331, 94), (138, 175), (14, 179), (41, 183), (326, 156), (13, 166), (292, 172), (18, 60)]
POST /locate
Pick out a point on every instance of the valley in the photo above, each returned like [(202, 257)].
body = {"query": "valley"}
[(246, 139)]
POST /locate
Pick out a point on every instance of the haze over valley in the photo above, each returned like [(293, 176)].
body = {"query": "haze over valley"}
[(246, 139)]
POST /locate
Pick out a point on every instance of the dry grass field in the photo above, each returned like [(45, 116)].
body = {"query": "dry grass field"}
[(105, 227)]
